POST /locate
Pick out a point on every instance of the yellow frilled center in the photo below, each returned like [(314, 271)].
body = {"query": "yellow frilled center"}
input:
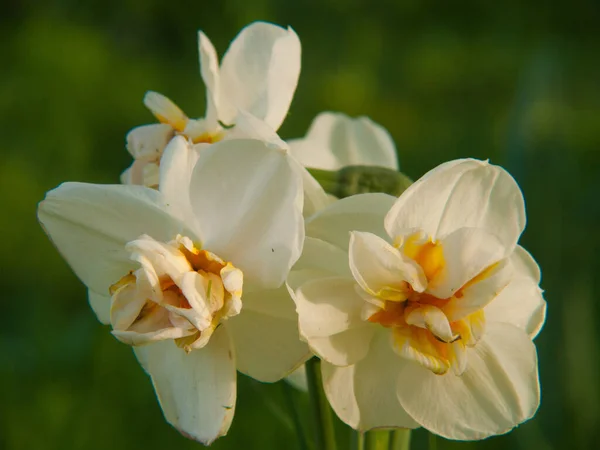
[(422, 343)]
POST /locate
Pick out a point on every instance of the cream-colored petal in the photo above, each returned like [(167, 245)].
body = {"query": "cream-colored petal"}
[(165, 110), (148, 141), (461, 193), (335, 140), (247, 198), (480, 291), (363, 394), (318, 260), (328, 306), (196, 391), (259, 73), (90, 225), (265, 335), (346, 347), (498, 390), (467, 252), (381, 270), (433, 319), (209, 69), (362, 212), (100, 305)]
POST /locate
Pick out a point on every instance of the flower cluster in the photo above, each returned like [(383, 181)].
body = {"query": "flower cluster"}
[(220, 252)]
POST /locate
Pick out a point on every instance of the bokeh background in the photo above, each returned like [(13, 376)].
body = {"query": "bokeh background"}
[(516, 82)]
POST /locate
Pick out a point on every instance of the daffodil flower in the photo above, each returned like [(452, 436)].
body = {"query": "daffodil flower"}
[(426, 316), (258, 74), (192, 275), (335, 140)]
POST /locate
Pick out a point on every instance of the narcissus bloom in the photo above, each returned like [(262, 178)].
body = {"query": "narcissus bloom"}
[(258, 74), (192, 275), (335, 140), (426, 316)]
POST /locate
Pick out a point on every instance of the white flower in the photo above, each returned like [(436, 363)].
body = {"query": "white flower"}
[(335, 140), (193, 275), (426, 318), (258, 74)]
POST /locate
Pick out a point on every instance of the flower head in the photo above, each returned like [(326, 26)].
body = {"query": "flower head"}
[(426, 317), (192, 275), (258, 75)]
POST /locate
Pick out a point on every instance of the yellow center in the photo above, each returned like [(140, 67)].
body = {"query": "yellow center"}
[(421, 342)]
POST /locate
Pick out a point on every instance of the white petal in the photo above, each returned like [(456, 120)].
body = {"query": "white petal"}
[(525, 265), (248, 198), (148, 141), (196, 391), (265, 335), (433, 319), (328, 306), (467, 252), (479, 292), (176, 167), (363, 395), (319, 260), (498, 390), (101, 306), (247, 126), (344, 348), (363, 212), (335, 140), (381, 270), (521, 304), (90, 225), (462, 193), (209, 69), (259, 73), (165, 110)]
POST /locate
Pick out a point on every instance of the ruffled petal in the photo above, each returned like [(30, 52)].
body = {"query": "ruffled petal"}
[(498, 390)]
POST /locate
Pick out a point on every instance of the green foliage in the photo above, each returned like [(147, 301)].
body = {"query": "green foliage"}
[(511, 81)]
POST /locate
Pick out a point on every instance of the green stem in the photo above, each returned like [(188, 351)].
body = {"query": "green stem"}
[(432, 441), (378, 439), (288, 394), (357, 440), (400, 439), (323, 418)]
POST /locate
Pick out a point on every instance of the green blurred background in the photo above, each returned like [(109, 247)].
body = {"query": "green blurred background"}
[(517, 83)]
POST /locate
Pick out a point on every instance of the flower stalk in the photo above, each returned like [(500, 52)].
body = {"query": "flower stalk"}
[(323, 418)]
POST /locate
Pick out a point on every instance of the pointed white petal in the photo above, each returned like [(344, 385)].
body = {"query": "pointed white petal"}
[(248, 199), (298, 379), (363, 212), (265, 335), (165, 110), (90, 225), (363, 395), (381, 270), (524, 264), (462, 193), (335, 140), (467, 252), (259, 73), (498, 390), (344, 348), (196, 391), (209, 69), (100, 305)]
